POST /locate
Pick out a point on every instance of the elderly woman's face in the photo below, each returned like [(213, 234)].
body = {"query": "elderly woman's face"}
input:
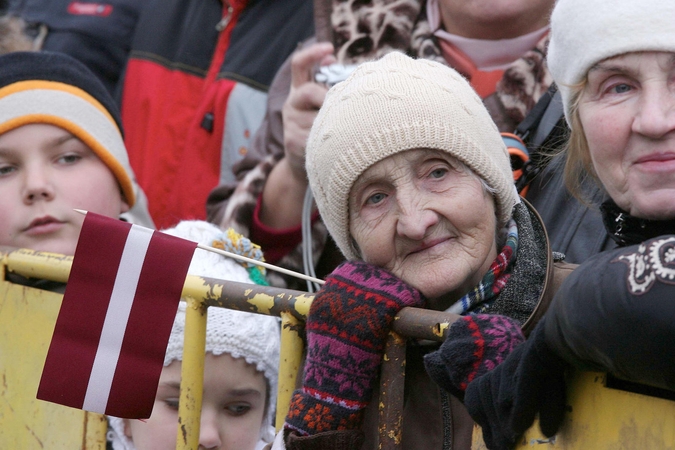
[(426, 219), (628, 115)]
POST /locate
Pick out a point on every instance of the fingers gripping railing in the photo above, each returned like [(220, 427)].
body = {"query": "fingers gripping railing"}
[(292, 307)]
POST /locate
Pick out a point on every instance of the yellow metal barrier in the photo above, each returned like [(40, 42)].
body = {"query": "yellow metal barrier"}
[(600, 418), (290, 362), (27, 318), (603, 418)]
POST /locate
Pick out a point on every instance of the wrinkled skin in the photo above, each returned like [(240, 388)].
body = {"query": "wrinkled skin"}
[(428, 220), (628, 114)]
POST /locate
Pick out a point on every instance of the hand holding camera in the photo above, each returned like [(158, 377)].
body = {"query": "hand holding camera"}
[(334, 73), (304, 100)]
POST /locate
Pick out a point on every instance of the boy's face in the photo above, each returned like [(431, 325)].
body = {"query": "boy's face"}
[(233, 407), (46, 172)]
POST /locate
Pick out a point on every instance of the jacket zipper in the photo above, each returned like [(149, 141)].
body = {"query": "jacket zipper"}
[(220, 26)]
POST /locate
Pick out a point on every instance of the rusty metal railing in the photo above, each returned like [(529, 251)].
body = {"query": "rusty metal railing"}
[(292, 307)]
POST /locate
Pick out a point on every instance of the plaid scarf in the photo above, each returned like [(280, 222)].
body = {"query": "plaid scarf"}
[(479, 299)]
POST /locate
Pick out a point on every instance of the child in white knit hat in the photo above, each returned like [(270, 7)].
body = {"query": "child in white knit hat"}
[(240, 369)]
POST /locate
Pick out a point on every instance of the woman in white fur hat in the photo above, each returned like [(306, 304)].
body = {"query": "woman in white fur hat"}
[(614, 62), (240, 369)]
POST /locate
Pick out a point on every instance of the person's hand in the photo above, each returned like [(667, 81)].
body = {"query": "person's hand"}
[(347, 329), (530, 381), (303, 102), (475, 345)]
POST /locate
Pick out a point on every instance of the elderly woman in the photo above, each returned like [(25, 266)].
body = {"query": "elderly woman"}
[(615, 65), (414, 184)]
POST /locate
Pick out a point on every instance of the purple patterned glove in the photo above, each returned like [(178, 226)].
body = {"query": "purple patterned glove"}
[(347, 328), (475, 345)]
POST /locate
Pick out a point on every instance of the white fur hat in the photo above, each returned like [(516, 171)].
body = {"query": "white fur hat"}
[(392, 105), (254, 337), (585, 32)]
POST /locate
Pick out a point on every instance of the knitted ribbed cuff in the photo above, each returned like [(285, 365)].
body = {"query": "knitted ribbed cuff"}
[(308, 415)]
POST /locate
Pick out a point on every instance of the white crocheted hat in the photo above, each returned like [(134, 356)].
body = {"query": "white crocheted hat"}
[(391, 105), (584, 32), (254, 337)]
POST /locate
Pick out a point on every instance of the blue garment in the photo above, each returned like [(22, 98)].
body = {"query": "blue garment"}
[(98, 34)]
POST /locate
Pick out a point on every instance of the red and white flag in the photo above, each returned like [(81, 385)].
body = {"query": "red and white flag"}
[(108, 347)]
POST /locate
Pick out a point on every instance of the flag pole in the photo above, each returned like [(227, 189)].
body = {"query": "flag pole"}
[(249, 260), (260, 263)]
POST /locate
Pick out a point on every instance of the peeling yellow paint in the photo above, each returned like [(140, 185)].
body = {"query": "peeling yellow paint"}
[(439, 329), (302, 303), (600, 418), (263, 302)]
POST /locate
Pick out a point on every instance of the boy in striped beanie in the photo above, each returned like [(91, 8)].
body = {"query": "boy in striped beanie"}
[(61, 148)]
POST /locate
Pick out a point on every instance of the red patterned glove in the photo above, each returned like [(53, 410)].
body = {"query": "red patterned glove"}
[(347, 328), (475, 345)]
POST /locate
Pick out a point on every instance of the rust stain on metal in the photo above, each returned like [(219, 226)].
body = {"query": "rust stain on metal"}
[(390, 403), (297, 328)]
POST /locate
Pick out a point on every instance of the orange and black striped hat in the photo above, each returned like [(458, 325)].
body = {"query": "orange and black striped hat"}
[(56, 89)]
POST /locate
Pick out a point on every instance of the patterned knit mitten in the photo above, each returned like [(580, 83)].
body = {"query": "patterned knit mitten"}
[(475, 345), (530, 382), (347, 328)]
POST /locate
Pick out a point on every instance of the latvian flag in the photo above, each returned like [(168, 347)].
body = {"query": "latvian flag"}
[(107, 351)]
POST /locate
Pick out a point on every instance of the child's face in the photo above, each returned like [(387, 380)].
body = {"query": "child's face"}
[(46, 172), (233, 407)]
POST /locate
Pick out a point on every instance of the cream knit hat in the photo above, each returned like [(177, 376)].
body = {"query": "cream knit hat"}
[(584, 32), (391, 105), (254, 337)]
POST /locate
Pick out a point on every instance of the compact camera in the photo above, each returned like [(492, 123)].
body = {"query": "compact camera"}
[(334, 73)]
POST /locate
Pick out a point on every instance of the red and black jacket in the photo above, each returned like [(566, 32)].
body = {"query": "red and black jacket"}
[(195, 92)]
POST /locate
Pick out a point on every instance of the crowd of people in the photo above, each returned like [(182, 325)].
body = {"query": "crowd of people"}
[(395, 184)]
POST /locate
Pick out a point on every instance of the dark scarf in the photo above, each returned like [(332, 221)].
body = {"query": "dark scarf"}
[(626, 230), (521, 294), (517, 294)]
